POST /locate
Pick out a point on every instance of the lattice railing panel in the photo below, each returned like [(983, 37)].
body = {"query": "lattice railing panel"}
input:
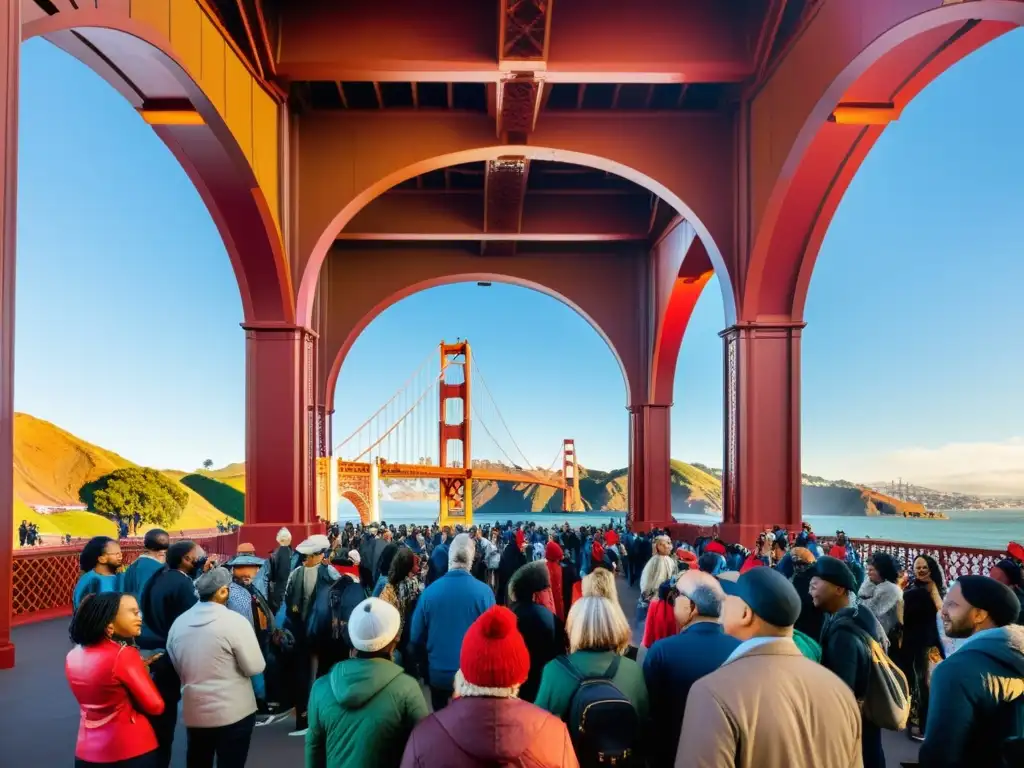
[(44, 579), (955, 561)]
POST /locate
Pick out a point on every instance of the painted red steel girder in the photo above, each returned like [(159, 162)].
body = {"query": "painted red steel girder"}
[(411, 215), (466, 40)]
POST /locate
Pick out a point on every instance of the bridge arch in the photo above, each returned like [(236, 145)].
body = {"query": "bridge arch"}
[(357, 500), (895, 65), (139, 61), (663, 188), (339, 351)]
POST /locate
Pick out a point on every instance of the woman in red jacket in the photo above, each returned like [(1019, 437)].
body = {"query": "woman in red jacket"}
[(112, 685)]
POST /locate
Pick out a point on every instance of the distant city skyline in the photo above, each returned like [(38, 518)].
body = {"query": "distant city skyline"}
[(128, 312)]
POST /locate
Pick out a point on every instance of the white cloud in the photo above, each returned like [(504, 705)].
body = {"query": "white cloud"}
[(984, 467)]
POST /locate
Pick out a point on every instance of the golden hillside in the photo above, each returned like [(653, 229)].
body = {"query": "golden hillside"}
[(51, 464)]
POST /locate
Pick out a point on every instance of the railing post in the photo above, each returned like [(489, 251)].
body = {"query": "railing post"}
[(10, 18)]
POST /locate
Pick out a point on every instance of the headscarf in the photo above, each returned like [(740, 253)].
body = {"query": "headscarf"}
[(553, 555)]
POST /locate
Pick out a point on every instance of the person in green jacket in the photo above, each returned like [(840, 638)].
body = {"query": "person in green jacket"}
[(598, 631), (362, 712)]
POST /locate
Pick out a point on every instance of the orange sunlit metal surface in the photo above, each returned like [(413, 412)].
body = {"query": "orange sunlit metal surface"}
[(172, 117), (865, 114)]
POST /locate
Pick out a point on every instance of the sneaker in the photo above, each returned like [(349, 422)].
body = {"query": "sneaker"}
[(299, 733), (274, 719)]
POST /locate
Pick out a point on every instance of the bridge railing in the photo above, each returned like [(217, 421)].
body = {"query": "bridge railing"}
[(955, 561), (45, 577)]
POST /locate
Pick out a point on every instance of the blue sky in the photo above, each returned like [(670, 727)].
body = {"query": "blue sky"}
[(128, 335)]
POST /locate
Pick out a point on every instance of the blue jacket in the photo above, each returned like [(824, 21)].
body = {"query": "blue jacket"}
[(138, 573), (443, 613), (671, 667), (437, 565), (92, 583), (977, 701)]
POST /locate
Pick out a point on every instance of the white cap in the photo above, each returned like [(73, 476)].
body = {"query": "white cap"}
[(354, 557), (313, 545), (373, 624)]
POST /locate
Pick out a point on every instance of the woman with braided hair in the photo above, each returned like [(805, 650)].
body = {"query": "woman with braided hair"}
[(112, 685)]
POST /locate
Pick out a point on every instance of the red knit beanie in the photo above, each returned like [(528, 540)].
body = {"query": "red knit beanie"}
[(493, 652), (715, 546)]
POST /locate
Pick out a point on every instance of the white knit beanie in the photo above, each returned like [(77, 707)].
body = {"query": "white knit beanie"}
[(373, 624)]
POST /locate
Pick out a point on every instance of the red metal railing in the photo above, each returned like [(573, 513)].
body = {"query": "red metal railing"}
[(45, 577), (955, 561)]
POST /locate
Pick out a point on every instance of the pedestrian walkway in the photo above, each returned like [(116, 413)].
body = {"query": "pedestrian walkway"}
[(39, 721)]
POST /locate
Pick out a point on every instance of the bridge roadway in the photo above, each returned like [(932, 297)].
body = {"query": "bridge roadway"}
[(39, 717), (393, 470)]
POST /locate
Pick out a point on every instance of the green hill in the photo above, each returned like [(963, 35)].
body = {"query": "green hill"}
[(51, 465)]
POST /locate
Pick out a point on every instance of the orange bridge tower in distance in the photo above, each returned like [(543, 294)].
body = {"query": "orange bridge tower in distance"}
[(456, 492), (571, 501)]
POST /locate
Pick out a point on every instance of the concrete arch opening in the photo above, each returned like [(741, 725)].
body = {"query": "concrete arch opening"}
[(144, 67), (353, 207), (868, 91), (338, 359), (934, 285), (560, 404)]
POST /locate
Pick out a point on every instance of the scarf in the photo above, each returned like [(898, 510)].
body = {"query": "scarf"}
[(545, 598)]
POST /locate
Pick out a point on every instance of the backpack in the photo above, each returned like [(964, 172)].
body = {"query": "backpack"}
[(327, 625), (887, 699), (603, 723)]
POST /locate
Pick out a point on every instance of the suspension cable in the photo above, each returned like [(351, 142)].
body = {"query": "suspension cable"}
[(398, 392), (478, 420), (497, 410), (394, 426)]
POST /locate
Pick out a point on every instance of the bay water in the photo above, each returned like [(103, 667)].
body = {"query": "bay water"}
[(986, 529)]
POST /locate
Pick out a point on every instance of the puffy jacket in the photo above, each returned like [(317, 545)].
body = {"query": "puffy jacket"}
[(361, 714), (115, 693), (215, 653), (976, 702), (484, 732)]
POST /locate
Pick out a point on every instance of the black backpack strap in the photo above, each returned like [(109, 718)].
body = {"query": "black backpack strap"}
[(609, 674), (613, 668), (564, 661)]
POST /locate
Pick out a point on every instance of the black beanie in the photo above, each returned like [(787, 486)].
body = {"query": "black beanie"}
[(834, 571), (989, 595), (770, 595)]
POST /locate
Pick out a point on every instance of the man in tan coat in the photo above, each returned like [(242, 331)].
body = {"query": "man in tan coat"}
[(768, 706)]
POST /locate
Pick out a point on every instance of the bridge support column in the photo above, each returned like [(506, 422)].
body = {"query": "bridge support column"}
[(280, 434), (333, 497), (10, 36), (373, 492), (761, 481), (649, 437)]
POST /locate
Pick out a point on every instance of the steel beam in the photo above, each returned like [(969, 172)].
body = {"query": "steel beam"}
[(466, 41), (451, 216)]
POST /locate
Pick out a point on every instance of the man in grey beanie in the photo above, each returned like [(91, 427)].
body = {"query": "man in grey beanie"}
[(216, 655), (768, 705)]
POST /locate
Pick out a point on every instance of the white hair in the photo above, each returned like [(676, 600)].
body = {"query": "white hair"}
[(461, 552), (658, 570), (284, 537)]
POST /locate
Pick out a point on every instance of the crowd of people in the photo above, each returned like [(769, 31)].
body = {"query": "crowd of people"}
[(509, 645), (28, 534)]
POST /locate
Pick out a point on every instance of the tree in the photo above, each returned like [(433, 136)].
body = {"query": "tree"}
[(124, 492), (208, 465)]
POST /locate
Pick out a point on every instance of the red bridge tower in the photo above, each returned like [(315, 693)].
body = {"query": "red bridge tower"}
[(454, 428)]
